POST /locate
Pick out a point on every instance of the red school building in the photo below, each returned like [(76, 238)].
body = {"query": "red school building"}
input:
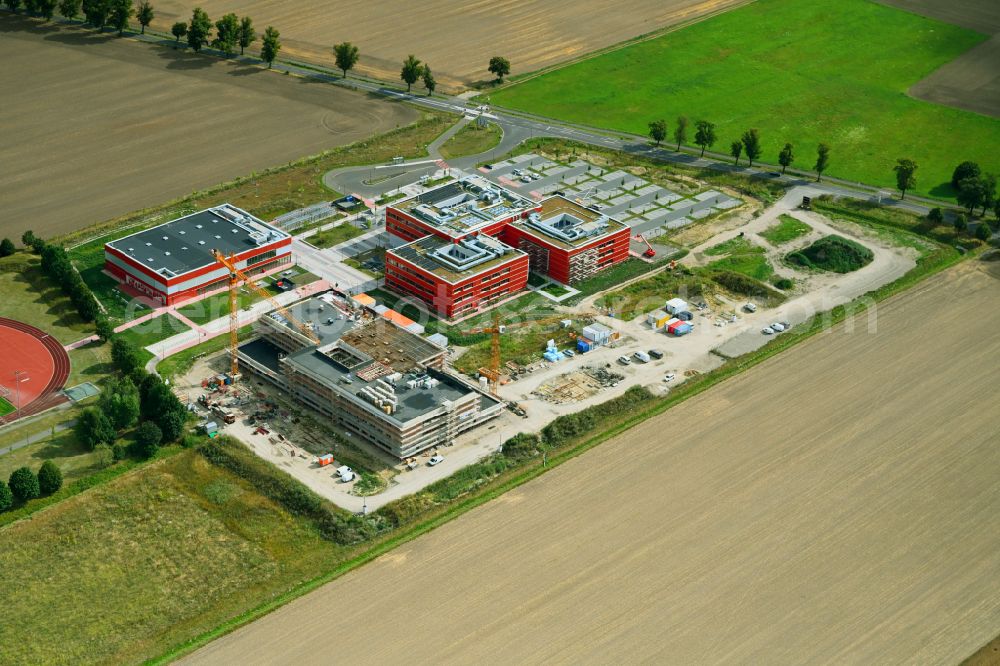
[(471, 244), (173, 262)]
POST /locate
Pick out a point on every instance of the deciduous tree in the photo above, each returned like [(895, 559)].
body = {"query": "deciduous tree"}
[(50, 478), (658, 131), (247, 34), (680, 132), (145, 15), (47, 8), (704, 135), (93, 428), (96, 12), (935, 216), (227, 34), (6, 496), (148, 438), (121, 11), (971, 192), (27, 238), (199, 29), (751, 144), (24, 484), (346, 56), (6, 247), (906, 178), (499, 67), (411, 71), (961, 223), (736, 149), (822, 160), (983, 231), (270, 46), (124, 355), (120, 403), (172, 424), (428, 79), (104, 328), (70, 9), (12, 5), (965, 170), (786, 157), (178, 30)]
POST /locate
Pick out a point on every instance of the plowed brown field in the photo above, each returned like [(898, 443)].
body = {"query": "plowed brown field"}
[(838, 504), (457, 39), (95, 127)]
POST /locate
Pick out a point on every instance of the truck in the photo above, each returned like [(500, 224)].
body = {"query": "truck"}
[(227, 417)]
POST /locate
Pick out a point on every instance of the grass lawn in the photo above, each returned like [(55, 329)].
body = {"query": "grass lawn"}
[(785, 230), (181, 362), (31, 297), (89, 363), (471, 140), (752, 264), (334, 236), (801, 72), (731, 246), (124, 570), (63, 449), (5, 408), (154, 330)]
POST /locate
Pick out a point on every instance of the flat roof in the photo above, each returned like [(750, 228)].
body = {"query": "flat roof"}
[(186, 244), (386, 342), (328, 322), (567, 224), (453, 262), (464, 206), (334, 370)]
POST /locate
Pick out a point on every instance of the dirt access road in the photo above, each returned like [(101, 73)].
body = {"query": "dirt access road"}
[(971, 81), (837, 504), (96, 127), (457, 39)]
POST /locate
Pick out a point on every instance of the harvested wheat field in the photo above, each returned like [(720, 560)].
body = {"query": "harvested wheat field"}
[(971, 81), (95, 127), (838, 504), (457, 39)]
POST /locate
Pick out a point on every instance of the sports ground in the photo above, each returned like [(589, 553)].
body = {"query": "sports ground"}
[(800, 72), (33, 367)]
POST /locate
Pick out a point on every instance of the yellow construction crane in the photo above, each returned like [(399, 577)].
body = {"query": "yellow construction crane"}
[(235, 276)]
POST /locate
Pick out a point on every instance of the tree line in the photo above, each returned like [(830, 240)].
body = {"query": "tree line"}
[(24, 485), (973, 188)]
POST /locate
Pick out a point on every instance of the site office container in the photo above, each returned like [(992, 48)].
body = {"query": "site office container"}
[(679, 327)]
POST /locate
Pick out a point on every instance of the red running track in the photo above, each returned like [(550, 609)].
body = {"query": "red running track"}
[(42, 359)]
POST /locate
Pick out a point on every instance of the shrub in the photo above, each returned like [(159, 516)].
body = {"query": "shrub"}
[(783, 283), (833, 253), (104, 328), (24, 484), (119, 451), (522, 445), (744, 285), (6, 496), (104, 456), (961, 223), (148, 438), (402, 511), (93, 428), (983, 231), (50, 478), (6, 247), (935, 216)]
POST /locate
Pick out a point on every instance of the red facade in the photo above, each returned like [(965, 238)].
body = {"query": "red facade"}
[(163, 289), (462, 297), (563, 264)]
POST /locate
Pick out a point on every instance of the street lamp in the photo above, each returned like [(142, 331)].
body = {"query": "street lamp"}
[(17, 387)]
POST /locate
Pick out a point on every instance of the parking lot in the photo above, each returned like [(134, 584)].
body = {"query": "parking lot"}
[(647, 208)]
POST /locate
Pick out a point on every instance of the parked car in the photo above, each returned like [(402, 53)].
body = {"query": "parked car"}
[(516, 172), (786, 325), (534, 176), (669, 377), (767, 330), (288, 273), (345, 473), (435, 459), (656, 353), (569, 352), (778, 328), (624, 360), (750, 307), (641, 356), (525, 178)]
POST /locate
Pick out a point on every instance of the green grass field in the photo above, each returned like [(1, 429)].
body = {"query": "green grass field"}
[(785, 230), (124, 570), (471, 140), (5, 407), (835, 71), (30, 296)]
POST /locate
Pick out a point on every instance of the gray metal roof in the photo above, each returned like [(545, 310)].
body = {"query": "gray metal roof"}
[(186, 244)]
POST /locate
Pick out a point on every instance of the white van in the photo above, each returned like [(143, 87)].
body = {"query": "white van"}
[(345, 473)]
